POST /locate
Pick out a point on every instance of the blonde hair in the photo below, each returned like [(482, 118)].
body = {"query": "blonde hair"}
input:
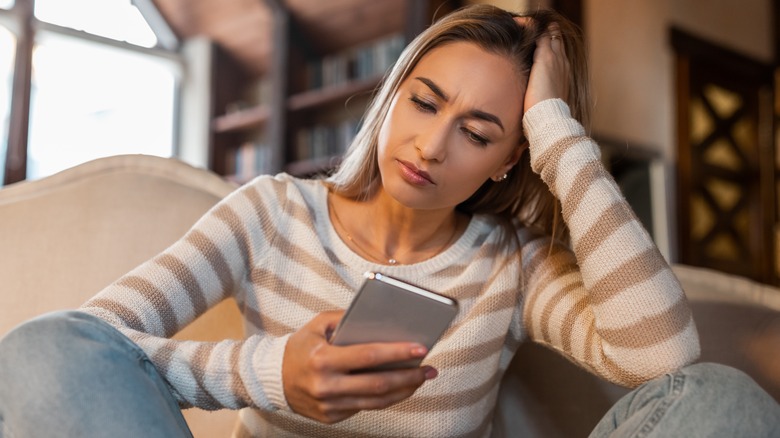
[(522, 195)]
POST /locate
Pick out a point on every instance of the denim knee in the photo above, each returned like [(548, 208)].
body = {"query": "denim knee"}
[(58, 333), (701, 400), (37, 333), (69, 373), (733, 403), (708, 380), (719, 400)]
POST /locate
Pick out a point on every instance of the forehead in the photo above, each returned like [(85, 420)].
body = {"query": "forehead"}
[(471, 75)]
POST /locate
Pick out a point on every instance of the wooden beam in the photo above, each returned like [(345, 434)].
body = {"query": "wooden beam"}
[(276, 134)]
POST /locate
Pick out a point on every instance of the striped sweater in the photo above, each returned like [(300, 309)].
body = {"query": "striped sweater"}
[(610, 304)]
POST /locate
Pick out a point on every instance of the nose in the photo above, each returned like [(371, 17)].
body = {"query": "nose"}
[(432, 142)]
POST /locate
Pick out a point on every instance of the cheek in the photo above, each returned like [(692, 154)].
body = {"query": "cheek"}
[(471, 168), (388, 129), (474, 162), (466, 173), (384, 135)]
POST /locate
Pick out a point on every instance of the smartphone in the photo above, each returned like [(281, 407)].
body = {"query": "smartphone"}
[(387, 309)]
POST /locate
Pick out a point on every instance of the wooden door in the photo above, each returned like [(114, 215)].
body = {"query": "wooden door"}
[(726, 204)]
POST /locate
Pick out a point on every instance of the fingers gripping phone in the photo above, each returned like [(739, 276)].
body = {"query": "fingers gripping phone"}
[(387, 309)]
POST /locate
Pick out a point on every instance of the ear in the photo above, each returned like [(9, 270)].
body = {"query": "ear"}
[(510, 162)]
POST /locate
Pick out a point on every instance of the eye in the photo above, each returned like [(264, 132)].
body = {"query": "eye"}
[(474, 137), (422, 105)]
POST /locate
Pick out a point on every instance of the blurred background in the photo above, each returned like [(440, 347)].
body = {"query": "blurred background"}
[(686, 104)]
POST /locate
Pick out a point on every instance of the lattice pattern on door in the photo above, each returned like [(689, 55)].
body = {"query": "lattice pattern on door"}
[(726, 191), (723, 139)]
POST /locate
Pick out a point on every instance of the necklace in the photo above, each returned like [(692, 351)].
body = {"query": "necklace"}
[(384, 258)]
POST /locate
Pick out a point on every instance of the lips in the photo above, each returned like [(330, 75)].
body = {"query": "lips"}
[(415, 175)]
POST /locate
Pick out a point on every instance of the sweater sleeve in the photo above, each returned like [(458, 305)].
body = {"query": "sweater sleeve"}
[(610, 303), (163, 295)]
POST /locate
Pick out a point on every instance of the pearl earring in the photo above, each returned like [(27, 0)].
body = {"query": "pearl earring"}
[(501, 178)]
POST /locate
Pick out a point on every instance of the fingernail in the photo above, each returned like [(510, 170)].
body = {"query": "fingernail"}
[(419, 351), (431, 373)]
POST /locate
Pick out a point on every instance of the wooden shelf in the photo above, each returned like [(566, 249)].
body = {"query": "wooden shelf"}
[(324, 96), (312, 167), (252, 117), (335, 25)]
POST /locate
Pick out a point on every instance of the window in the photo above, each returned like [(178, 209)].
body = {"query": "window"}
[(6, 4), (82, 109), (101, 83)]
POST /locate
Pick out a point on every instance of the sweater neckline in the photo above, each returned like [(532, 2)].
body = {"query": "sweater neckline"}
[(450, 256)]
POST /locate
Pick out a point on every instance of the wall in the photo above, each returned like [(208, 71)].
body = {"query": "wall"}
[(744, 26), (633, 66), (631, 70)]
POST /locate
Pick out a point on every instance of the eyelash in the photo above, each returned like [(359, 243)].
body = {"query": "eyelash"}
[(422, 105), (427, 107), (474, 137)]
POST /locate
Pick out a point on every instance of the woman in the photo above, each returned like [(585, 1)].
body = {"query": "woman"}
[(451, 184)]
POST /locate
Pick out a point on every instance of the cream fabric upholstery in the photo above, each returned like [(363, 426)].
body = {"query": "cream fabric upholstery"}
[(739, 322), (67, 236)]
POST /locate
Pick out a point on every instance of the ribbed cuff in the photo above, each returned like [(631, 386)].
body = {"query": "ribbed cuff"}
[(543, 112), (267, 363)]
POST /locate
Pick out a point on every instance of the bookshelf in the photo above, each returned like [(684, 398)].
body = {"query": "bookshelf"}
[(328, 57), (252, 117)]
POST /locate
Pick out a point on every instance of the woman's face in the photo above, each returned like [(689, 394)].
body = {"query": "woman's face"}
[(453, 124)]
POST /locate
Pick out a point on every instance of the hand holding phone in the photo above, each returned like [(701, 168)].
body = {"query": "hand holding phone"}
[(387, 309), (322, 381)]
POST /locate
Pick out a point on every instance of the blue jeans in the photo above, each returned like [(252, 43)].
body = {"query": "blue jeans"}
[(71, 374), (701, 400)]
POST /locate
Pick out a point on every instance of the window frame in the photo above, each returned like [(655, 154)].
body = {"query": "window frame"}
[(21, 21)]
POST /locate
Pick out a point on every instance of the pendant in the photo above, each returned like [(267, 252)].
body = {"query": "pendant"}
[(392, 261)]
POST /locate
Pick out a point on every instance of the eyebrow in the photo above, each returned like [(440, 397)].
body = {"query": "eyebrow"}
[(475, 113)]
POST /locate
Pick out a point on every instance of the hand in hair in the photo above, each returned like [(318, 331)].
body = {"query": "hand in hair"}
[(550, 71)]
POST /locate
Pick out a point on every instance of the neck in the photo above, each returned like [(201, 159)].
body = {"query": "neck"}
[(394, 232)]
